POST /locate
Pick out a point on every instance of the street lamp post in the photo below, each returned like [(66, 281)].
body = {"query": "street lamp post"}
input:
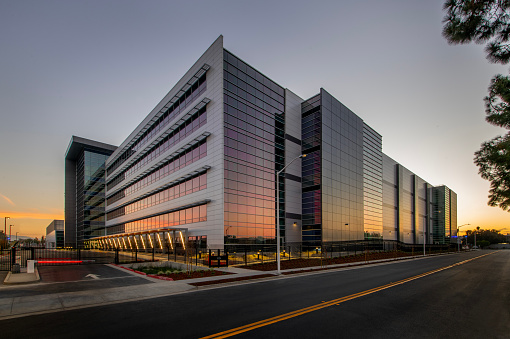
[(278, 212), (17, 236), (425, 228), (5, 225), (10, 228), (349, 239), (5, 231), (458, 230), (477, 228)]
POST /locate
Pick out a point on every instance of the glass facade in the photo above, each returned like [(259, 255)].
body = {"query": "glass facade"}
[(342, 172), (438, 212), (453, 213), (181, 131), (311, 130), (444, 214), (341, 193), (171, 219), (372, 183), (176, 191), (181, 160), (90, 178), (254, 126)]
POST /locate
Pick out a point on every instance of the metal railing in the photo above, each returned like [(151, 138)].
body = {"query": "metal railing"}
[(231, 255)]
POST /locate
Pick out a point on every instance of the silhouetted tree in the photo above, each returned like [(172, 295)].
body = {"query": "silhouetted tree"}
[(3, 240), (488, 22), (483, 243), (492, 236)]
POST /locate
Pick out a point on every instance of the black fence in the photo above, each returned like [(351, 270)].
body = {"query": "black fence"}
[(259, 254), (45, 256), (192, 256), (231, 255)]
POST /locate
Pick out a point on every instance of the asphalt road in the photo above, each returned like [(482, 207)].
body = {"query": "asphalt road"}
[(73, 278), (466, 300)]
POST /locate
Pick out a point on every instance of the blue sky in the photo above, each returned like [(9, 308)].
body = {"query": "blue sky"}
[(96, 68)]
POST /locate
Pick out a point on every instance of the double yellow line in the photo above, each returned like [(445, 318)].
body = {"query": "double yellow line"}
[(269, 321)]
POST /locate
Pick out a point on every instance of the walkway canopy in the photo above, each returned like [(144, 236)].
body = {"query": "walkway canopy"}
[(159, 239)]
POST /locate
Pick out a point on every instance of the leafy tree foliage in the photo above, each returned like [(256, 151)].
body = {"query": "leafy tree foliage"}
[(3, 240), (491, 236), (493, 158), (488, 21), (479, 21), (483, 243)]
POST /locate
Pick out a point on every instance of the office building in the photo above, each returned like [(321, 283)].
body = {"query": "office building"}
[(55, 234), (444, 214), (203, 165), (85, 190), (413, 209)]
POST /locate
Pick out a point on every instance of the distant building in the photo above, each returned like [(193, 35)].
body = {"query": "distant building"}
[(413, 209), (55, 234), (444, 215), (85, 190), (203, 164)]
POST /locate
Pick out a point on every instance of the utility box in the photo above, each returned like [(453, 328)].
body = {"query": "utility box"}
[(15, 268), (30, 266)]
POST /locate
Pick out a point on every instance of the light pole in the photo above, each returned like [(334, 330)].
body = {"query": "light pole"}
[(278, 212), (477, 228), (458, 230), (5, 225), (425, 228), (17, 236), (5, 232), (349, 239), (10, 228)]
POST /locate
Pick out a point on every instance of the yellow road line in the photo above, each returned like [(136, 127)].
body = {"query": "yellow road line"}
[(269, 321)]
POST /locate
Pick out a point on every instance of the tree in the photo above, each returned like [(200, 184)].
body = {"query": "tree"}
[(483, 243), (491, 236), (488, 21), (3, 240), (479, 21)]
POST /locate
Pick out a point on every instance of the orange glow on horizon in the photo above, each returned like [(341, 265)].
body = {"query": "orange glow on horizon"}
[(33, 215), (31, 223)]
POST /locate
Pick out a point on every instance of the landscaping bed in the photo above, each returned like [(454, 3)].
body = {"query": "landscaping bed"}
[(166, 273), (304, 263)]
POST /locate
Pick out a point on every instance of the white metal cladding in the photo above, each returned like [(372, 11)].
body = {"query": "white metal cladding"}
[(147, 148), (200, 170), (176, 97), (161, 162)]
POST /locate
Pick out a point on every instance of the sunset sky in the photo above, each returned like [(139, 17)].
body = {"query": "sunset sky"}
[(95, 69)]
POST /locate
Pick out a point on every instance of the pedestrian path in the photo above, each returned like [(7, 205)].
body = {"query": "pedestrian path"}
[(17, 306), (45, 303)]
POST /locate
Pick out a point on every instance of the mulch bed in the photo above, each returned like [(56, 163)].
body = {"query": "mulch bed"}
[(191, 275), (271, 266), (222, 281), (180, 275), (304, 263)]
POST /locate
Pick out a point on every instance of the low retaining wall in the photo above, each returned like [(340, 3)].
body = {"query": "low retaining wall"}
[(163, 264)]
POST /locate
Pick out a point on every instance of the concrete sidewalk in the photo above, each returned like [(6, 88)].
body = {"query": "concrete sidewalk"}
[(46, 303), (21, 306), (22, 278)]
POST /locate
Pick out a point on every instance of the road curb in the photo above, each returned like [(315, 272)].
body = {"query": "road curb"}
[(22, 278)]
